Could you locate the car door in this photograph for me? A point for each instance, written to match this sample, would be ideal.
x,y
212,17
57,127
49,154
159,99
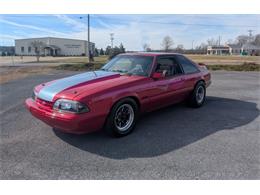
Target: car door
x,y
176,82
165,91
191,72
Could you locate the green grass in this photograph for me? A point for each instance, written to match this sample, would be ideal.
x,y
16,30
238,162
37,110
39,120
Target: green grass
x,y
88,67
236,58
242,67
80,65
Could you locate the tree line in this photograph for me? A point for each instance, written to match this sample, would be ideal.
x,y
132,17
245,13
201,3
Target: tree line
x,y
167,45
111,52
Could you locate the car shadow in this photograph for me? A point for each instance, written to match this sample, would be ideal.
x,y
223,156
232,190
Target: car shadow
x,y
168,129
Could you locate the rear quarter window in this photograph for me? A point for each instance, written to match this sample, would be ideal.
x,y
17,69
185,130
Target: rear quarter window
x,y
187,65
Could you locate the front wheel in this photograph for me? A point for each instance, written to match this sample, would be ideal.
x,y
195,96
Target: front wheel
x,y
122,118
198,96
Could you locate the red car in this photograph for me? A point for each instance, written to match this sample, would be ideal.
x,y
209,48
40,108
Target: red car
x,y
113,97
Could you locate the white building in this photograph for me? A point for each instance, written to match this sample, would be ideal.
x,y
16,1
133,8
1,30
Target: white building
x,y
52,46
218,50
234,49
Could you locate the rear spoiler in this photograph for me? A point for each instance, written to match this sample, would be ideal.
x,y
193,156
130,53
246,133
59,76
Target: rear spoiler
x,y
202,66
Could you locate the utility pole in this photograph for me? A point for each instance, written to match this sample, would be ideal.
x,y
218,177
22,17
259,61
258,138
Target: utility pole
x,y
250,35
88,42
88,39
192,44
112,39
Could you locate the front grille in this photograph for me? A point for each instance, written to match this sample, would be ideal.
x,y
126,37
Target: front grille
x,y
44,104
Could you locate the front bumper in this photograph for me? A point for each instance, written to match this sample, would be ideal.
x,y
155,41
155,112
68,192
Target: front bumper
x,y
66,122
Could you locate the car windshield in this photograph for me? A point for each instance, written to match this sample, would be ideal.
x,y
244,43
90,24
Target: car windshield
x,y
130,64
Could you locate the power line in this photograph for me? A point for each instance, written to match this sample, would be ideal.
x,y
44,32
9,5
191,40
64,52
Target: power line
x,y
123,21
172,23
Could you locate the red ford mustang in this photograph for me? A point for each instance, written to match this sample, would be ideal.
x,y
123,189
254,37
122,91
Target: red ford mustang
x,y
114,96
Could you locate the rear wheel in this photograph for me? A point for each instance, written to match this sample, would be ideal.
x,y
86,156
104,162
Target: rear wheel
x,y
122,118
197,97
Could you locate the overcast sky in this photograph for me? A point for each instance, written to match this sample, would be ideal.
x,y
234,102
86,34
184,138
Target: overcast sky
x,y
132,30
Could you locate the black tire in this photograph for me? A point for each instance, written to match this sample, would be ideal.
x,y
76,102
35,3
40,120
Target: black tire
x,y
111,123
195,101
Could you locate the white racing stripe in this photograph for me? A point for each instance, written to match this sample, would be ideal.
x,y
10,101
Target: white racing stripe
x,y
48,92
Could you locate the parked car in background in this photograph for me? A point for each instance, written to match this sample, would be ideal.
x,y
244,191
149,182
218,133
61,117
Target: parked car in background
x,y
113,97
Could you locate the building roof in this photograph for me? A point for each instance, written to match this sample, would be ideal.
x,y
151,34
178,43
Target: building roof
x,y
218,47
52,38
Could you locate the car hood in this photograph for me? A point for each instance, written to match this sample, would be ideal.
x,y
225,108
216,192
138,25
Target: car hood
x,y
84,83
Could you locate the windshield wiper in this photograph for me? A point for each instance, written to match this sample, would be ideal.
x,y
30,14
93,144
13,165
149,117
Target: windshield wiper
x,y
120,71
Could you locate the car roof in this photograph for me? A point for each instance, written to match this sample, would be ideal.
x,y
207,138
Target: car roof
x,y
150,53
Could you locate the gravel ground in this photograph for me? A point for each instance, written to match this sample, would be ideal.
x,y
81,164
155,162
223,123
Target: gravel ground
x,y
221,140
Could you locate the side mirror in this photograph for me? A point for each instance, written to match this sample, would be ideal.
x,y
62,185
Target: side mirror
x,y
157,75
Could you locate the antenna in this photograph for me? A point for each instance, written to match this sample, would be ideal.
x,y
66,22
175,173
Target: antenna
x,y
112,39
250,33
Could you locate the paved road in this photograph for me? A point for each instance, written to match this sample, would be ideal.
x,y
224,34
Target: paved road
x,y
218,141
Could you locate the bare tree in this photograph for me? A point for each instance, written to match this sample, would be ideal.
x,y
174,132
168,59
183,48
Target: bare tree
x,y
148,49
167,43
202,46
230,41
242,39
257,40
38,47
212,42
145,46
121,47
200,49
180,47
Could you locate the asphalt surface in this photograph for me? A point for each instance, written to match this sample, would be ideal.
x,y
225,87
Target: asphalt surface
x,y
221,140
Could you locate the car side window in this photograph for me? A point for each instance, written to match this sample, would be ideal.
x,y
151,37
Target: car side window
x,y
168,66
187,65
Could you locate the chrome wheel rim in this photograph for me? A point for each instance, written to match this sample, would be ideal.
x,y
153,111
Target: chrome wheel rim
x,y
200,94
124,117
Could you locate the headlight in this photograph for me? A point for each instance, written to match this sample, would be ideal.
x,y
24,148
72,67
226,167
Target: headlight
x,y
70,106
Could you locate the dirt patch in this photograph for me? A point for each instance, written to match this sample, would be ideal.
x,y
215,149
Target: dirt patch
x,y
13,73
